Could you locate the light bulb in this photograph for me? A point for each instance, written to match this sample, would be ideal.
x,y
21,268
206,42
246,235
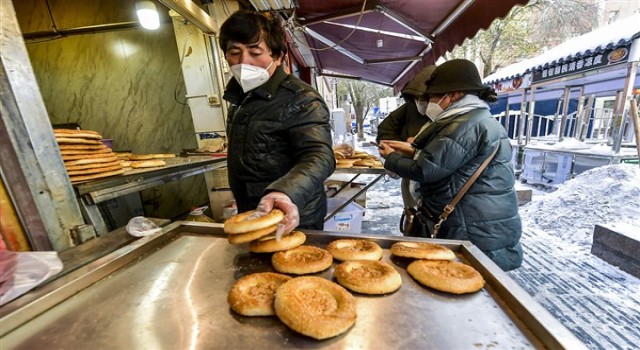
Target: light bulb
x,y
147,14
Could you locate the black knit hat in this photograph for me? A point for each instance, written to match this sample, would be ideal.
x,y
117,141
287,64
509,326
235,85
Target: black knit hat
x,y
416,87
455,75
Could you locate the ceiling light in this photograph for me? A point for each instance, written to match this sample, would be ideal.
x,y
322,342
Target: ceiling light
x,y
148,14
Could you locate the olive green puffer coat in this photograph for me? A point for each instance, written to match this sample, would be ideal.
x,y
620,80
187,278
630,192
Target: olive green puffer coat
x,y
280,140
451,150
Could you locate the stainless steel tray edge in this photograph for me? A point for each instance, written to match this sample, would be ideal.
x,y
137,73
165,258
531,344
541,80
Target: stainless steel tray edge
x,y
549,331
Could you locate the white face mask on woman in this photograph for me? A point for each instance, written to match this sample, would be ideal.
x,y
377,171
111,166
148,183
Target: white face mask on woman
x,y
250,77
434,110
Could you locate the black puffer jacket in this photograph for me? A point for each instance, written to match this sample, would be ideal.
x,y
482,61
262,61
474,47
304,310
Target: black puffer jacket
x,y
451,150
280,140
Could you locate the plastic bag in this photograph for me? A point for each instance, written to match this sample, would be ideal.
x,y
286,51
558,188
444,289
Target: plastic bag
x,y
8,262
230,209
140,226
343,150
197,214
22,271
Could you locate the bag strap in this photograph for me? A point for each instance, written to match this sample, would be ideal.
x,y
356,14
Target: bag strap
x,y
448,209
406,221
402,221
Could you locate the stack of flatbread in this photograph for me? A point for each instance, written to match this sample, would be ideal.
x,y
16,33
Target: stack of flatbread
x,y
85,157
137,161
359,159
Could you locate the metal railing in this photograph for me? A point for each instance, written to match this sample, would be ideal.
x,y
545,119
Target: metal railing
x,y
541,126
598,127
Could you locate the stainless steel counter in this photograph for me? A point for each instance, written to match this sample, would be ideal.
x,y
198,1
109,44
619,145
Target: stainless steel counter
x,y
169,291
356,172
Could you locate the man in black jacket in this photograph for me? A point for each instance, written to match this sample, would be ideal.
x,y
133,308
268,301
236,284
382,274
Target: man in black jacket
x,y
279,151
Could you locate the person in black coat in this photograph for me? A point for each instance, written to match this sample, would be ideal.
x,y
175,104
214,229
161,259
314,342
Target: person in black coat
x,y
405,122
279,136
447,153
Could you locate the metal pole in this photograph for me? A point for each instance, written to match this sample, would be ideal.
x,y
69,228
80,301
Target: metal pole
x,y
577,121
612,129
507,116
546,127
586,118
521,120
621,107
530,116
636,124
555,116
35,176
565,111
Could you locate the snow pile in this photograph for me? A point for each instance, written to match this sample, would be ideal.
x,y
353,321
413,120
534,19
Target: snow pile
x,y
605,195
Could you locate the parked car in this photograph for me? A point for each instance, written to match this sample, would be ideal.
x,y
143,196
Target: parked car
x,y
366,126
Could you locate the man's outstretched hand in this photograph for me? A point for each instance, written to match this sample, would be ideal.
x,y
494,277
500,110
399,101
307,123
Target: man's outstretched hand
x,y
281,201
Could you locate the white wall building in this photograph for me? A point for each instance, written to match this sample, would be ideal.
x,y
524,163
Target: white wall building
x,y
388,104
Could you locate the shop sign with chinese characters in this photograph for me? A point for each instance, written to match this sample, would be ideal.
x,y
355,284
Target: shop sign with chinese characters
x,y
581,64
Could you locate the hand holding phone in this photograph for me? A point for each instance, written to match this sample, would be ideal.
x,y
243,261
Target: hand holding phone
x,y
376,144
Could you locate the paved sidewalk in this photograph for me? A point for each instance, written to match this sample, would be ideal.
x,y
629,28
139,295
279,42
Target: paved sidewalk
x,y
598,303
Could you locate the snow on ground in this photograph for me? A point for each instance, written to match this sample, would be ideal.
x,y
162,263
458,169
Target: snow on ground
x,y
605,195
595,300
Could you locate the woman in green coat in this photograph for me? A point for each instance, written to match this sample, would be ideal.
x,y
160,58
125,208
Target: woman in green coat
x,y
446,154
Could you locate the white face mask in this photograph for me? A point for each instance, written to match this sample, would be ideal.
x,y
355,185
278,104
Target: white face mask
x,y
434,109
422,106
250,77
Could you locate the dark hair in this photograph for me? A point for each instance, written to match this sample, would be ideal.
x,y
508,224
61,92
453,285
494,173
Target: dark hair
x,y
247,27
489,94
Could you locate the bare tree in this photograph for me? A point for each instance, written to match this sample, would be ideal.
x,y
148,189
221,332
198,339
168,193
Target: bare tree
x,y
527,31
363,96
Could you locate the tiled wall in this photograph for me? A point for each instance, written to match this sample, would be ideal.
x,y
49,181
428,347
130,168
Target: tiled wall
x,y
125,84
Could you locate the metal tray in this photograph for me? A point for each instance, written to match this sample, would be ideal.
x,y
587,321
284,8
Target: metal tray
x,y
169,291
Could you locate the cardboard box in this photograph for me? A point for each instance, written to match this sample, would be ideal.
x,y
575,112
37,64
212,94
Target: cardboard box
x,y
349,219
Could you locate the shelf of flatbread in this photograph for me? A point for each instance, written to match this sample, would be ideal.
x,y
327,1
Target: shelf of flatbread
x,y
141,161
85,157
356,160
